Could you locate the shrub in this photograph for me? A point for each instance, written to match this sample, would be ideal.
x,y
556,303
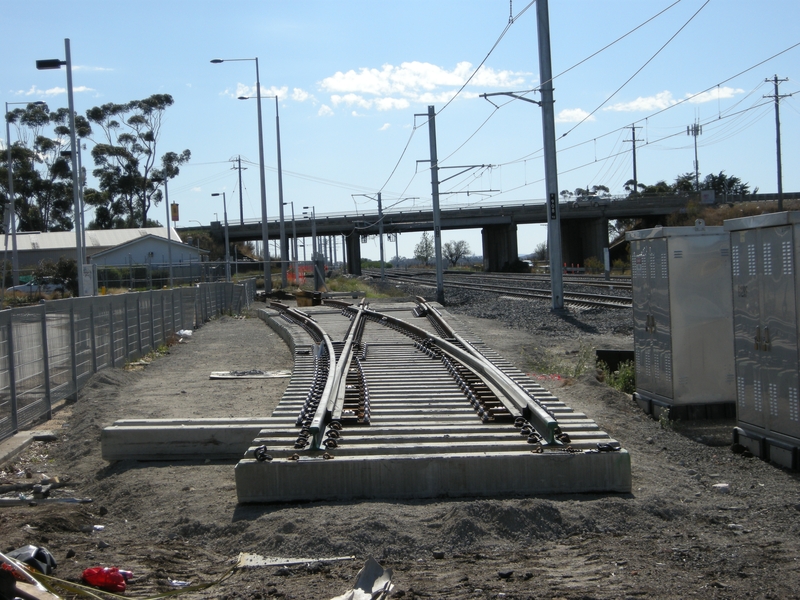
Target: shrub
x,y
623,379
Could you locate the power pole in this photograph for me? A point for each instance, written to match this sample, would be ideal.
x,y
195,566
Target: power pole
x,y
550,163
437,226
695,130
241,204
777,97
634,140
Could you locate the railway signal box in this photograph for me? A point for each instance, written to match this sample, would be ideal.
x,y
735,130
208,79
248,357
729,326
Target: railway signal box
x,y
682,333
764,254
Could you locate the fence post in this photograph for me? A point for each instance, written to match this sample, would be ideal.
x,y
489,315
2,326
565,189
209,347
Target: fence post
x,y
152,324
139,325
72,348
46,364
12,376
111,348
163,320
127,329
92,333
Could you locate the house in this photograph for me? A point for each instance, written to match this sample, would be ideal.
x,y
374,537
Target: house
x,y
108,247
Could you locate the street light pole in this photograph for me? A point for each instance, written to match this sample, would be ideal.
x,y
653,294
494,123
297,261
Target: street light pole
x,y
56,64
169,231
313,232
227,243
380,230
264,226
281,203
294,245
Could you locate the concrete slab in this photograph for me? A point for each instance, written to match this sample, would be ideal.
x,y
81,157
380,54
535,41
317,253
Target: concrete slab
x,y
179,439
443,475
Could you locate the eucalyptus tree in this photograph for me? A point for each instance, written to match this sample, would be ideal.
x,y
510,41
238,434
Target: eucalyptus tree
x,y
41,168
126,160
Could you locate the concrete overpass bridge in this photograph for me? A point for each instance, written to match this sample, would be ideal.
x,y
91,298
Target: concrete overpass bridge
x,y
584,229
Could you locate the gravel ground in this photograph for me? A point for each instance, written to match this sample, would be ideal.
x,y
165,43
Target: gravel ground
x,y
700,521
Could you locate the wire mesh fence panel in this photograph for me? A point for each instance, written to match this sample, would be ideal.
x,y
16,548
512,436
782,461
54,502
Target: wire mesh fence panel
x,y
145,322
7,410
84,342
30,376
59,349
185,317
101,319
118,329
48,351
157,318
134,347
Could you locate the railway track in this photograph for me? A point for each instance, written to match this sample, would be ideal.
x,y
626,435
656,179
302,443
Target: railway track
x,y
398,403
523,287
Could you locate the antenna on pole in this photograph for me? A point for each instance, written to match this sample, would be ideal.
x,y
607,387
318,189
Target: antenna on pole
x,y
694,130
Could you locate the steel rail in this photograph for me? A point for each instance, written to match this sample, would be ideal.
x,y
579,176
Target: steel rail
x,y
343,364
569,297
322,413
500,383
515,399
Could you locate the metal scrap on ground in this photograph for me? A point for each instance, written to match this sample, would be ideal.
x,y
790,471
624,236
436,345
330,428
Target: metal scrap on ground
x,y
250,374
247,559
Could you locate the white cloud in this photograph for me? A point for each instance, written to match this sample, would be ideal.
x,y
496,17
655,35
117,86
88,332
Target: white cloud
x,y
300,95
325,111
665,99
351,100
718,93
197,189
397,87
390,103
250,91
54,91
660,101
87,68
572,115
384,127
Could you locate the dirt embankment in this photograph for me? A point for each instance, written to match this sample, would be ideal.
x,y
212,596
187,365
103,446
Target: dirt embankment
x,y
678,534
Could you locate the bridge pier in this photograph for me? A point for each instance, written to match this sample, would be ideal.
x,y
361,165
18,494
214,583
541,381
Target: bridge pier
x,y
582,239
499,246
353,253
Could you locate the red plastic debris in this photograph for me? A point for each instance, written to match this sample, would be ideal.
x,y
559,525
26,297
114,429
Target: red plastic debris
x,y
110,579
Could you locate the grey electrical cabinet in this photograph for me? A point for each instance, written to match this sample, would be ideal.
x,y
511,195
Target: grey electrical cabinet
x,y
682,331
764,253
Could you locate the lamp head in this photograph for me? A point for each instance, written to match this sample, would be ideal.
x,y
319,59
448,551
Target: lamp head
x,y
50,63
216,61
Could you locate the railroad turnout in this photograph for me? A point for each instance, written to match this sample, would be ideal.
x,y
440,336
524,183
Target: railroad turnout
x,y
397,402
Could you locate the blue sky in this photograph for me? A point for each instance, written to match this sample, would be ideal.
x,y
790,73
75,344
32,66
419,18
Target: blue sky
x,y
351,75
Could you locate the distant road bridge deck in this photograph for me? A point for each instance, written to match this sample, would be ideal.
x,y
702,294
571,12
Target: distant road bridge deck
x,y
584,228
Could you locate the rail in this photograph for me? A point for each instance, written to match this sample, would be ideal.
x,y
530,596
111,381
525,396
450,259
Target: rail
x,y
327,407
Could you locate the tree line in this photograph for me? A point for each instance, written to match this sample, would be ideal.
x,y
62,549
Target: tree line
x,y
124,141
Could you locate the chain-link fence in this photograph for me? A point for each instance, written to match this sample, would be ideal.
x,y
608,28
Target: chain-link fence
x,y
49,350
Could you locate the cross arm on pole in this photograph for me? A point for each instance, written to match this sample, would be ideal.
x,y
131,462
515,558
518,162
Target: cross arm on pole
x,y
516,95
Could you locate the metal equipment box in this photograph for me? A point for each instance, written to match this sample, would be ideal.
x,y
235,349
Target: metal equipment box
x,y
764,254
682,331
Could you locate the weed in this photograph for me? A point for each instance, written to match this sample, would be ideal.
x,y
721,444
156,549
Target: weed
x,y
547,362
623,379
